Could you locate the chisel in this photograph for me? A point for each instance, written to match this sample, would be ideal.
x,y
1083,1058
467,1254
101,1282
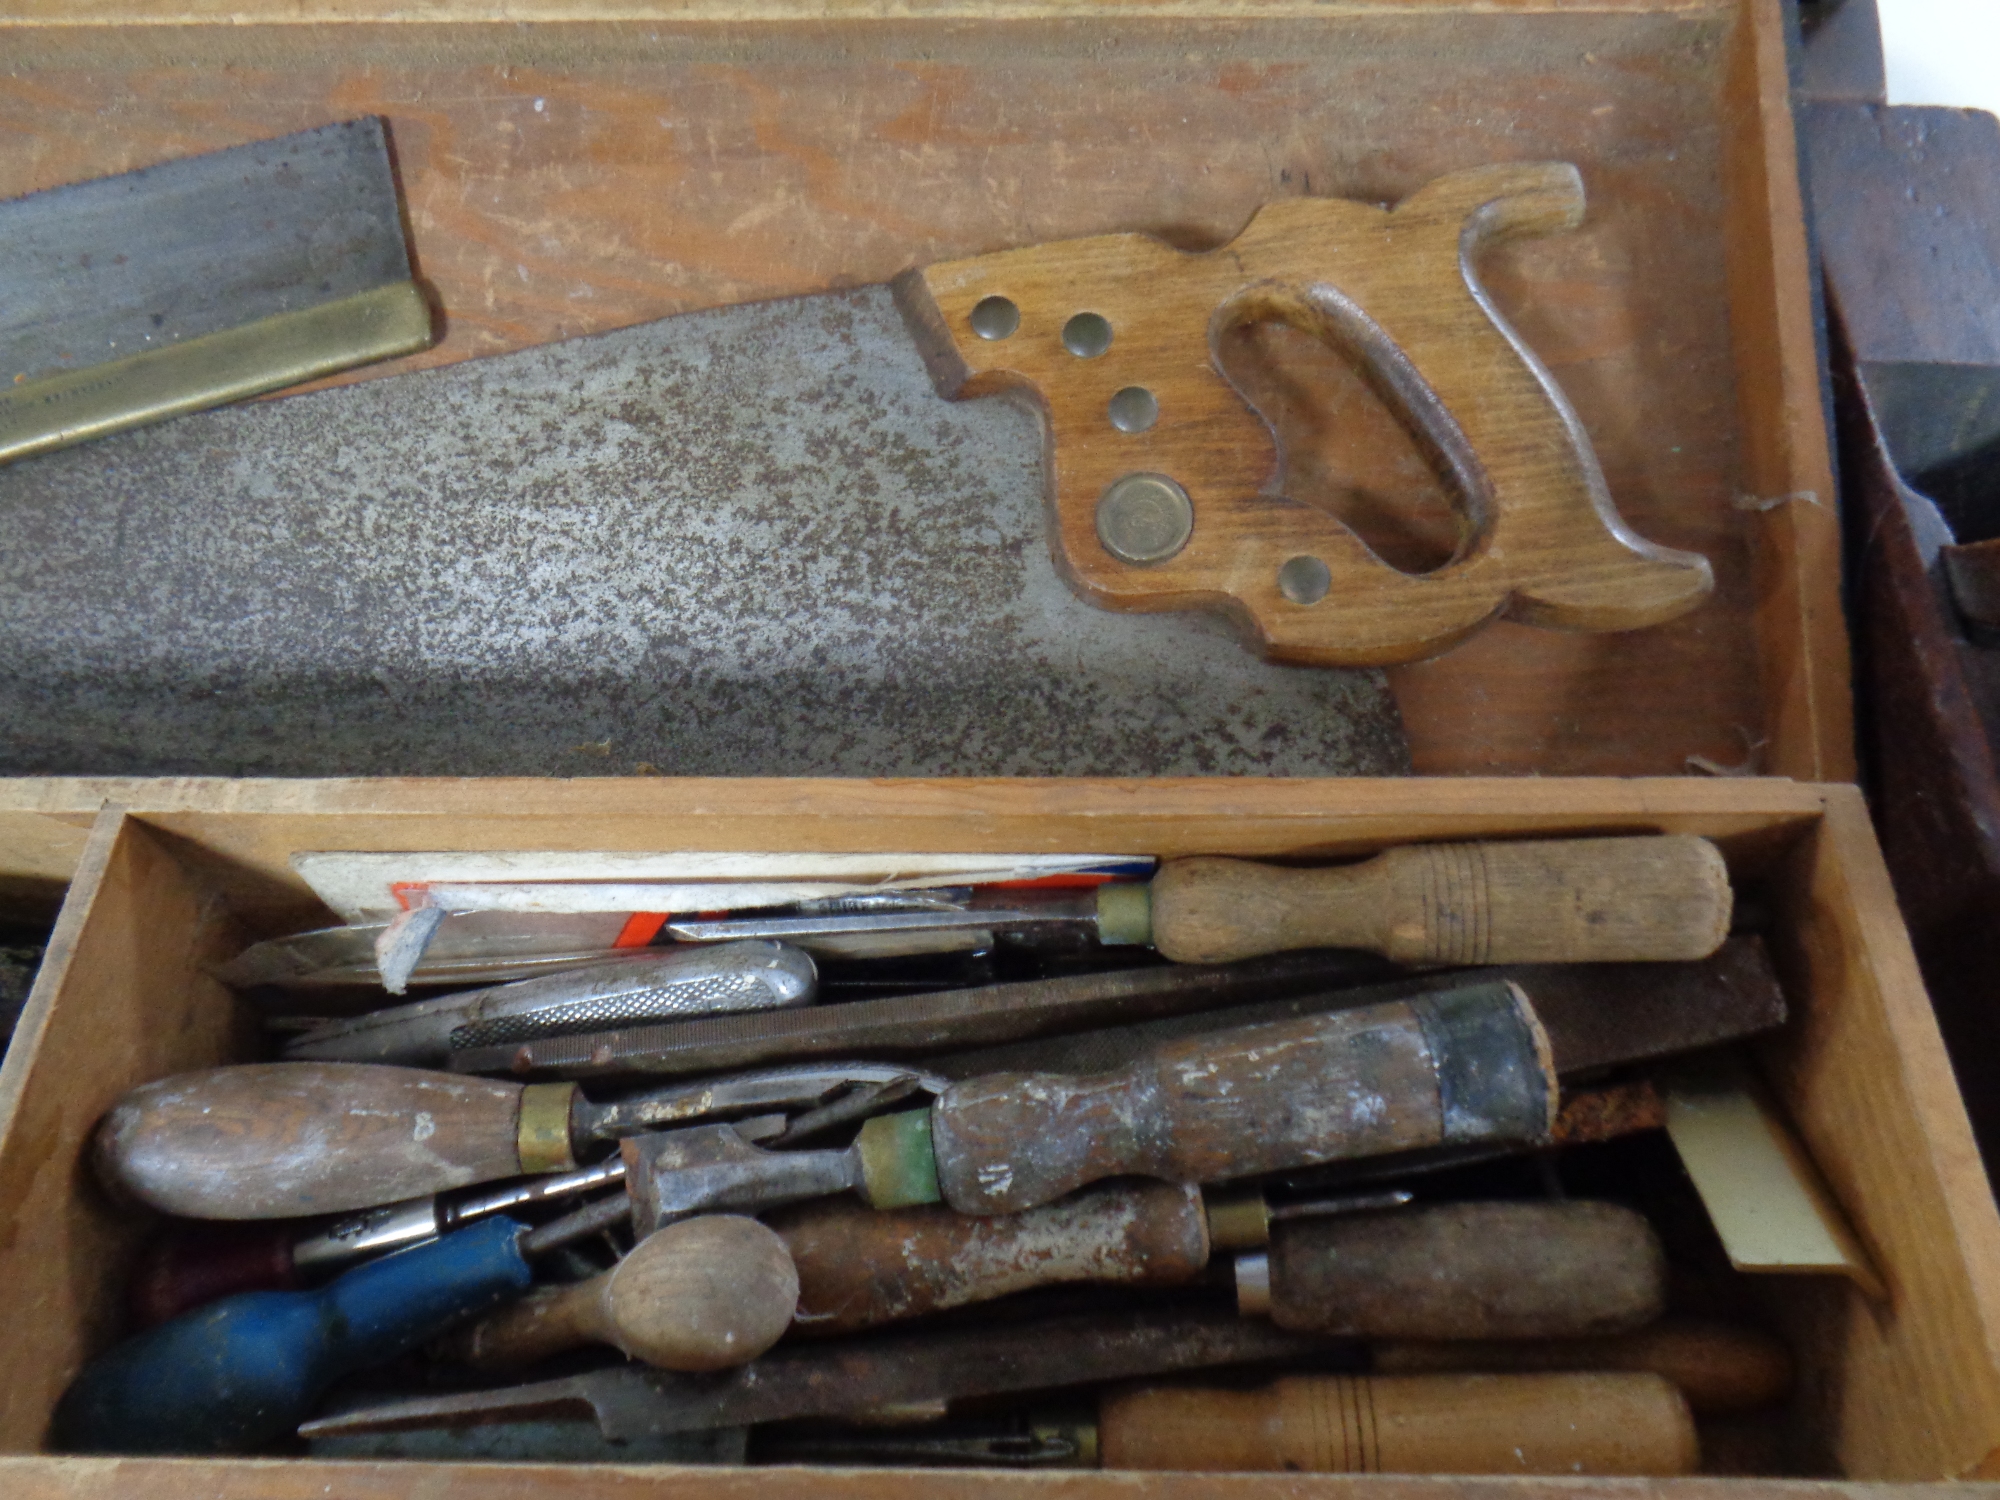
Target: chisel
x,y
646,986
247,1369
1459,1270
1457,1066
287,1140
197,1262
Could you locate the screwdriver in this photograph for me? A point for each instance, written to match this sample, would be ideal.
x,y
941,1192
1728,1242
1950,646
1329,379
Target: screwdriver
x,y
247,1369
195,1263
290,1140
1660,896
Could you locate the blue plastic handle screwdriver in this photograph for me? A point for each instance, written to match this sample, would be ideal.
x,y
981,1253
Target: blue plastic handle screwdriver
x,y
242,1372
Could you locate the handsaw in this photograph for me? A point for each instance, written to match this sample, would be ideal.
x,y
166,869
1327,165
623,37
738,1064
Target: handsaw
x,y
199,281
754,540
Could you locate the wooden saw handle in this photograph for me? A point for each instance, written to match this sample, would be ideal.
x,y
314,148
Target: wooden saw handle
x,y
860,1267
1157,459
1470,1063
1543,901
1467,1271
701,1294
1407,1424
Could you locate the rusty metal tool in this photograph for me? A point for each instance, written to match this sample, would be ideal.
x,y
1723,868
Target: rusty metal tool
x,y
1596,1015
193,1263
199,281
868,1372
910,1025
1457,1065
285,1140
647,985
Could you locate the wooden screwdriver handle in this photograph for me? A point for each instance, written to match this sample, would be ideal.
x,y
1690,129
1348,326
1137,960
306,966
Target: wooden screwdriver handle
x,y
1546,901
860,1267
287,1140
1465,1064
701,1294
1408,1424
1723,1369
1469,1271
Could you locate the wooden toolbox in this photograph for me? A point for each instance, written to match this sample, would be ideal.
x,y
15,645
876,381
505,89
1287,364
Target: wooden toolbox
x,y
577,167
1908,1388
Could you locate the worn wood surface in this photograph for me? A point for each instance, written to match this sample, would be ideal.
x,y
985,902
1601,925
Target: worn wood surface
x,y
1401,1424
1538,536
289,1140
1911,1389
859,1267
1568,901
1250,1100
296,1479
123,996
1721,1368
564,179
702,1294
1469,1270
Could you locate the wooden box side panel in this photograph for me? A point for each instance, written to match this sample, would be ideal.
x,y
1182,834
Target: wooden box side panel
x,y
1909,1389
122,997
1787,464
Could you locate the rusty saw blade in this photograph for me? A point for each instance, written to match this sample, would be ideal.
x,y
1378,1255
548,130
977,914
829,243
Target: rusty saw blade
x,y
752,541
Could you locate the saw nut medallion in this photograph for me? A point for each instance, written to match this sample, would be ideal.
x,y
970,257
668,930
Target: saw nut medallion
x,y
1155,457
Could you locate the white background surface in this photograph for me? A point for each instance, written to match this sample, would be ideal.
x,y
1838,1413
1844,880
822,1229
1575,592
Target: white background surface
x,y
1942,51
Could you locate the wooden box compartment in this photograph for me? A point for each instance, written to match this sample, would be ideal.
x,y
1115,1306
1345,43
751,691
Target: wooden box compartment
x,y
573,166
184,872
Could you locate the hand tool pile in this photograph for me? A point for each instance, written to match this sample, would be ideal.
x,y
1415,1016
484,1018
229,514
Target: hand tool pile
x,y
1003,1223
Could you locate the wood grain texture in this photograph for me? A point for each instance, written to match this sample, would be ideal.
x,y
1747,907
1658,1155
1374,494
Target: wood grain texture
x,y
1392,291
1252,1099
703,1294
1721,1368
1573,901
1786,478
128,961
1391,1424
1910,1181
689,164
1469,1270
301,1479
1912,1391
859,1268
289,1140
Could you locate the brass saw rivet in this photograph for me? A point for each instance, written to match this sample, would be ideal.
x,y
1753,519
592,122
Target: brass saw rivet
x,y
1305,580
1144,518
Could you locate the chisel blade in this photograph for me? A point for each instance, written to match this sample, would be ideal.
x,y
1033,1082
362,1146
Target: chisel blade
x,y
747,542
199,281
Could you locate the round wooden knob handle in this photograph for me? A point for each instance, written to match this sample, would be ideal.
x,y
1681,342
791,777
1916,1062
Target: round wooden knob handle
x,y
702,1294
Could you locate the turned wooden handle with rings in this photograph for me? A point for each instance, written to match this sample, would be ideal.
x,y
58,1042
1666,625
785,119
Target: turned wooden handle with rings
x,y
1156,457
